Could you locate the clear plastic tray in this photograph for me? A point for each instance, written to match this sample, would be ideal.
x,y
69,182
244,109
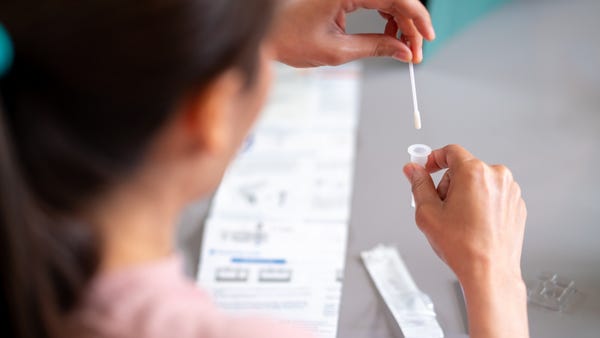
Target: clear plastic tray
x,y
552,291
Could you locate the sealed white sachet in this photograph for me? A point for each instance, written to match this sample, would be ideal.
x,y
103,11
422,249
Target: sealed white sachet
x,y
411,308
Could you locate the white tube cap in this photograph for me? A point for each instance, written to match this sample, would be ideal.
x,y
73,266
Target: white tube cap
x,y
419,153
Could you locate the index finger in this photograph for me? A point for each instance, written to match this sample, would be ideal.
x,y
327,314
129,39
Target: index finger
x,y
412,9
447,157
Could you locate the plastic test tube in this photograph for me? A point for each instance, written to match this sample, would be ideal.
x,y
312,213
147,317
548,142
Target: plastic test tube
x,y
418,154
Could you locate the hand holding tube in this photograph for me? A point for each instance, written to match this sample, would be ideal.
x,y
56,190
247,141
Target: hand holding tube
x,y
475,222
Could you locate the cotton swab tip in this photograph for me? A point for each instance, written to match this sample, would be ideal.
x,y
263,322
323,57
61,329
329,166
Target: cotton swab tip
x,y
417,117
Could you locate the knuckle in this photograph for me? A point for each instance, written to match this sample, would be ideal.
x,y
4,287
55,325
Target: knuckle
x,y
518,190
335,59
453,148
522,210
475,169
424,217
418,184
330,58
504,173
421,220
378,49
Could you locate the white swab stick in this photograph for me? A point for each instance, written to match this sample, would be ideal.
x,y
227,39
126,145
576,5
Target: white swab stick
x,y
416,113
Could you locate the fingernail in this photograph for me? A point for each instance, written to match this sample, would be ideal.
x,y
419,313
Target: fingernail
x,y
418,57
431,34
402,57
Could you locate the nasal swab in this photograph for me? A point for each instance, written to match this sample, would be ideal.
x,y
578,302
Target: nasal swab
x,y
416,113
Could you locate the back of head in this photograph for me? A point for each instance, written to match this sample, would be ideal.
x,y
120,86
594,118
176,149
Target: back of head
x,y
90,85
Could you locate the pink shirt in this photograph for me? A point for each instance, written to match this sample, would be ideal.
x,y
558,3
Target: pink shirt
x,y
157,300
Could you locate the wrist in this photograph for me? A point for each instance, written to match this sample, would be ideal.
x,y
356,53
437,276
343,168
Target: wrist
x,y
485,269
496,303
497,282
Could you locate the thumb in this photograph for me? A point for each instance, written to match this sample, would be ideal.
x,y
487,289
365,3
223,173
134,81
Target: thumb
x,y
422,185
359,46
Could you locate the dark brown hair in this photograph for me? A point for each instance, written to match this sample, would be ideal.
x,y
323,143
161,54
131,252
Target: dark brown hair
x,y
91,84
